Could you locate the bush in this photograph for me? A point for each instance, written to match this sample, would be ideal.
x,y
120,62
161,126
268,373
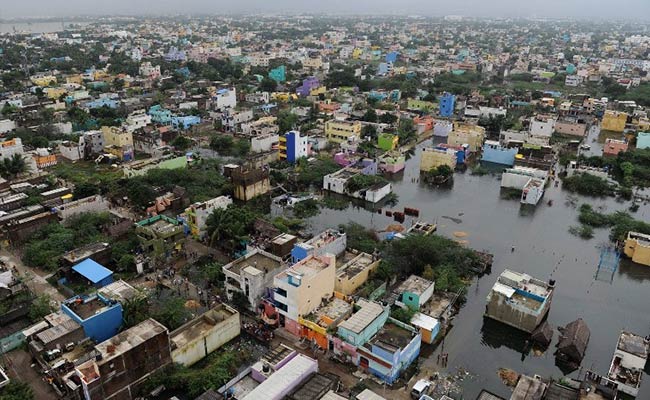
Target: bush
x,y
588,185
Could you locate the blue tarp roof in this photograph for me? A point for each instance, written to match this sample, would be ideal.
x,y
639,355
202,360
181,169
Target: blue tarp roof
x,y
92,271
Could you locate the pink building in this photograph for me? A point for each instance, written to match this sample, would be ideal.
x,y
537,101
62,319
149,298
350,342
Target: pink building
x,y
613,147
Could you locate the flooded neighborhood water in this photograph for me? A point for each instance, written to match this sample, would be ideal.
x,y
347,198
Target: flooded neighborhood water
x,y
545,249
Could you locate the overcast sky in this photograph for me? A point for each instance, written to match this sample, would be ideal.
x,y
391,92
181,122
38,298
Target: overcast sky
x,y
603,9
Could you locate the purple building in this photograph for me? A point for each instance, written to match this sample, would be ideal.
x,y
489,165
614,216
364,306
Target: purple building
x,y
308,84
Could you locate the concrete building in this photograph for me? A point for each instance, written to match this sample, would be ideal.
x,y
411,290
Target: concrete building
x,y
391,162
6,126
361,326
542,125
329,241
428,326
643,140
283,381
121,139
206,333
414,292
442,128
519,300
137,120
570,128
149,71
124,362
100,317
224,99
637,247
467,134
387,141
95,203
447,105
293,146
301,288
628,363
614,121
337,182
530,181
614,146
197,214
160,236
248,183
316,325
433,157
93,272
390,351
495,153
354,273
342,131
251,275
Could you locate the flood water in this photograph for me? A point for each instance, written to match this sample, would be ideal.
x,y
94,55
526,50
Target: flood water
x,y
544,249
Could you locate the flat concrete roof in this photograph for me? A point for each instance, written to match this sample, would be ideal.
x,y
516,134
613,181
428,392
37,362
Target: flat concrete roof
x,y
361,319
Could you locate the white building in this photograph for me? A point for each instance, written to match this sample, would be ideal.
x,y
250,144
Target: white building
x,y
337,183
251,275
530,181
149,71
542,126
231,120
628,362
137,120
225,98
7,125
71,151
264,143
197,214
572,80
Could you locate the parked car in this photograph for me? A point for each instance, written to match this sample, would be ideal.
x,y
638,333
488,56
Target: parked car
x,y
420,388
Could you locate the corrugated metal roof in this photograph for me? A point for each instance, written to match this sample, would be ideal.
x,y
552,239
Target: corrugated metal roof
x,y
285,378
92,270
57,331
361,319
369,395
503,289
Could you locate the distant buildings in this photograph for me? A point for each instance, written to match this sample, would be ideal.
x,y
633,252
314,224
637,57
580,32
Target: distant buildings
x,y
197,214
495,153
160,236
614,121
341,131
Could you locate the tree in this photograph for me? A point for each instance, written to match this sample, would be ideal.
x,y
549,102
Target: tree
x,y
41,306
406,131
370,115
171,312
136,309
13,166
16,390
268,85
369,130
230,227
181,142
286,121
387,118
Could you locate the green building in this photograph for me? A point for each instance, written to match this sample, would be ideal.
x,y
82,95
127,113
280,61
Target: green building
x,y
387,141
160,237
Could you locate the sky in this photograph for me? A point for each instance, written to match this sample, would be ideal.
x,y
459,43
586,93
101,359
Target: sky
x,y
583,9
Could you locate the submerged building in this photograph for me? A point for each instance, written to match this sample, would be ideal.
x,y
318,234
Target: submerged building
x,y
519,300
637,247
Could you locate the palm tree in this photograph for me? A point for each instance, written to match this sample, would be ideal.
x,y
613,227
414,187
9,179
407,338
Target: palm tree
x,y
13,166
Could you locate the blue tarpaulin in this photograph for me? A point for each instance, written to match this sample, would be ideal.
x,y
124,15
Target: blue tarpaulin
x,y
92,271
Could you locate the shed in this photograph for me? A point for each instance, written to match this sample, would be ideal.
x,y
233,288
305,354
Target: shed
x,y
428,326
529,389
543,334
96,273
573,342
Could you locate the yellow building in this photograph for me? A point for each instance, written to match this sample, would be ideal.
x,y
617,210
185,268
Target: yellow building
x,y
55,93
283,96
472,135
318,90
637,247
340,131
114,136
43,80
614,121
77,79
356,53
433,158
355,273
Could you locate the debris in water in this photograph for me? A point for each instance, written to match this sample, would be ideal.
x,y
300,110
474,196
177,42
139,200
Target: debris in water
x,y
456,220
460,234
508,376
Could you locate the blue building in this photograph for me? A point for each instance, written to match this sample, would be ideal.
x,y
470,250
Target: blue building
x,y
100,317
384,68
293,146
185,122
392,57
101,102
98,275
278,74
495,153
447,104
391,351
160,115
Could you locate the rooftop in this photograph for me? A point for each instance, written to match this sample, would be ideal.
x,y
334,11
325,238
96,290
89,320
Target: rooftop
x,y
335,310
287,376
130,338
92,270
160,224
414,284
53,333
368,394
524,282
86,307
324,238
84,252
528,389
368,312
283,239
315,387
353,267
201,325
392,337
257,259
118,290
275,356
641,238
307,268
633,344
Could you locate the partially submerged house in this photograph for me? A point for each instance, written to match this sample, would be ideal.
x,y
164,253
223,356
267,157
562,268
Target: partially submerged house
x,y
573,342
529,389
519,300
628,362
530,181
